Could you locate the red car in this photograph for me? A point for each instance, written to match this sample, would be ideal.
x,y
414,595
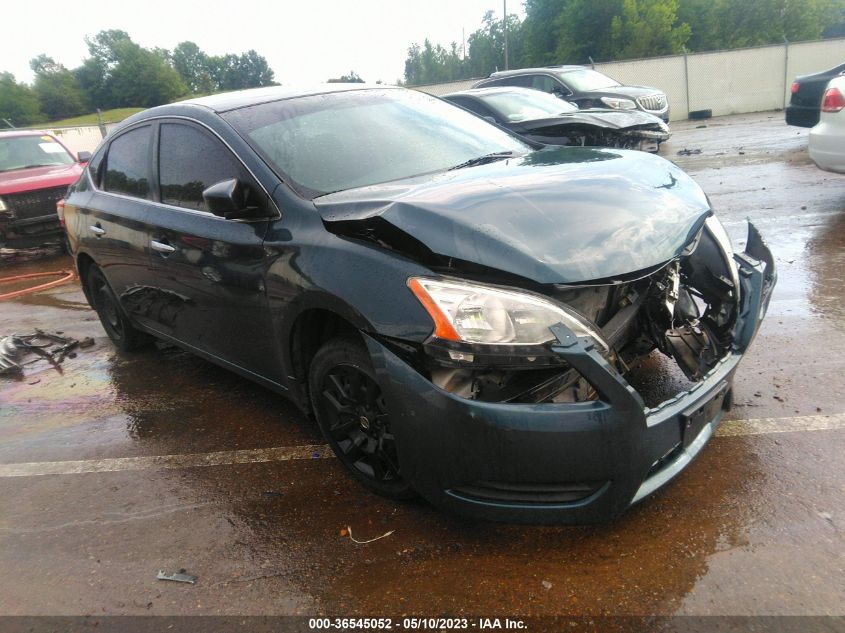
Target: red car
x,y
35,172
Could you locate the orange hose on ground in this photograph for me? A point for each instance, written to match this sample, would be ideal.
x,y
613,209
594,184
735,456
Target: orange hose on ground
x,y
68,275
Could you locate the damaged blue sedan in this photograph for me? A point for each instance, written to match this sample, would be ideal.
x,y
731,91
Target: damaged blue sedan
x,y
458,309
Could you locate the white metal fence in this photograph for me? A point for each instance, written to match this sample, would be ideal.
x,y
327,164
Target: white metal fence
x,y
726,82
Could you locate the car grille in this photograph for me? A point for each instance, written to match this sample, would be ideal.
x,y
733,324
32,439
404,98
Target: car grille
x,y
35,204
533,493
653,103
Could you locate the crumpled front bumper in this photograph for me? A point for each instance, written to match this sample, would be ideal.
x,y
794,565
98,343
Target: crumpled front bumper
x,y
563,463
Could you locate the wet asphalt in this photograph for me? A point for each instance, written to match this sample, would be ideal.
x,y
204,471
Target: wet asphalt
x,y
753,527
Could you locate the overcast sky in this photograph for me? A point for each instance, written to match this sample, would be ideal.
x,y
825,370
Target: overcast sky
x,y
305,41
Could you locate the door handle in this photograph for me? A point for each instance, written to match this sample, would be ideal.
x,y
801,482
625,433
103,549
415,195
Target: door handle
x,y
97,230
161,247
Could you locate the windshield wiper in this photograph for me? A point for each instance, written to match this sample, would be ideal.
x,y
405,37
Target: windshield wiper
x,y
480,160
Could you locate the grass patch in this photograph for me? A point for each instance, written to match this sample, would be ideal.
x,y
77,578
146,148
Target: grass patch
x,y
109,116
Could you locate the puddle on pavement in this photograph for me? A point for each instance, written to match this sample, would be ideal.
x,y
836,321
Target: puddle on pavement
x,y
722,510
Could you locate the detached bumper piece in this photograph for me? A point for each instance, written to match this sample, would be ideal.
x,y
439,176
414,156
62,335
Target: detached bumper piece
x,y
563,463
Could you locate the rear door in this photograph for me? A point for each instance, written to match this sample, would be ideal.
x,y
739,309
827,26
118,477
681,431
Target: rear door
x,y
210,270
112,223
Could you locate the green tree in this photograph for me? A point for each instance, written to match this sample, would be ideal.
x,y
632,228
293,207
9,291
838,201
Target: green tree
x,y
648,28
487,46
351,78
142,77
237,72
704,21
121,73
413,66
540,31
58,90
18,102
431,63
723,24
193,66
583,31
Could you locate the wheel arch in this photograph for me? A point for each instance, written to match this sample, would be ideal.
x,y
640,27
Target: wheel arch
x,y
84,262
309,331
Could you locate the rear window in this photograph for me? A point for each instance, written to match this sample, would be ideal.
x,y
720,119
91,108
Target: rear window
x,y
26,152
128,164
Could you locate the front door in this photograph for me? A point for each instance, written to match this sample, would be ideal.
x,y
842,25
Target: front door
x,y
210,271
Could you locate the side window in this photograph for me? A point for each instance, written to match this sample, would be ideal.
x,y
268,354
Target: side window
x,y
544,83
94,166
191,160
480,109
521,81
464,102
127,164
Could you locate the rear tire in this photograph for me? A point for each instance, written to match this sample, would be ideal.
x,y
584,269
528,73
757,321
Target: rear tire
x,y
353,417
121,332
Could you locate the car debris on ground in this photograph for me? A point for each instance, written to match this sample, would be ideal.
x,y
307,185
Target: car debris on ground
x,y
19,255
354,540
54,348
688,152
179,576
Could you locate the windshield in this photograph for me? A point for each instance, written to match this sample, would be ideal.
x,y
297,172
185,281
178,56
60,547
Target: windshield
x,y
21,152
587,79
526,105
331,142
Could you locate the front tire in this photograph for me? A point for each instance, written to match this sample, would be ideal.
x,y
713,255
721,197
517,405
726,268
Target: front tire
x,y
121,332
352,414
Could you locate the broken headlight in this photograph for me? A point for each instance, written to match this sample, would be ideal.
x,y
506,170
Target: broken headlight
x,y
486,315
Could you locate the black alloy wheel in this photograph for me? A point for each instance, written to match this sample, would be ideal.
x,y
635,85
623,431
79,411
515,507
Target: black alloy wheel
x,y
353,416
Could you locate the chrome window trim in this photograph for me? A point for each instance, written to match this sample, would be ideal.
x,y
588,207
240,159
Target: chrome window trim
x,y
184,209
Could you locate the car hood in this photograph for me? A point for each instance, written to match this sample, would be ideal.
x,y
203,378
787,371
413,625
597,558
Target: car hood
x,y
22,180
557,215
612,119
631,92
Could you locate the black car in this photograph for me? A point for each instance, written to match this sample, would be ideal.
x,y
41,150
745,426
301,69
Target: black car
x,y
457,308
804,109
546,119
585,87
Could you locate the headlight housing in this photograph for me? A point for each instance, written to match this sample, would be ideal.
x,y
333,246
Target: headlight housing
x,y
485,315
619,104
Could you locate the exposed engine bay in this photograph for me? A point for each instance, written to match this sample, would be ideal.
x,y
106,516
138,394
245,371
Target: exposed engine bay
x,y
642,137
685,308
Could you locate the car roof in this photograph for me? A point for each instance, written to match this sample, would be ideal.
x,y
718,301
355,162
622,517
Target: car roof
x,y
19,132
226,101
493,90
544,69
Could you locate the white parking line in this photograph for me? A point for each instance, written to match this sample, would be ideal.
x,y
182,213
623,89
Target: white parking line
x,y
762,426
728,428
191,460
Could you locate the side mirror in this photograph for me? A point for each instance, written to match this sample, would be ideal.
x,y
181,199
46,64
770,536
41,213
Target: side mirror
x,y
228,199
84,157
